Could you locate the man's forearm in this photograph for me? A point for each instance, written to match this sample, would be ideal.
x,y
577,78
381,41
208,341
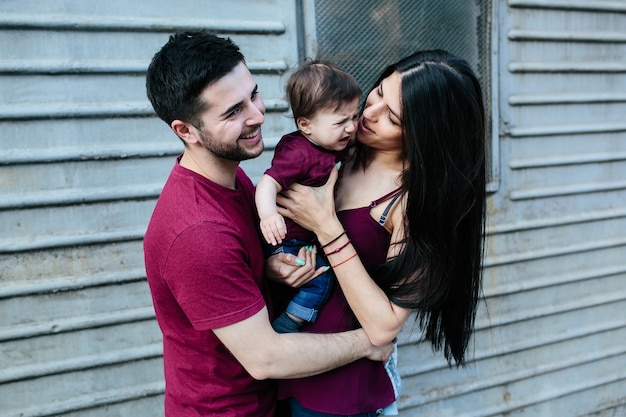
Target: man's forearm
x,y
267,354
305,354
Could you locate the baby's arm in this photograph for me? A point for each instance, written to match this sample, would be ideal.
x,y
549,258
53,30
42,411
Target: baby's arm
x,y
272,224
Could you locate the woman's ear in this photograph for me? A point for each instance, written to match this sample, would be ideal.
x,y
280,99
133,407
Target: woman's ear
x,y
304,125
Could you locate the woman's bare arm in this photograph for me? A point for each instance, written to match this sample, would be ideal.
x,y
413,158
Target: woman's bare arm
x,y
314,209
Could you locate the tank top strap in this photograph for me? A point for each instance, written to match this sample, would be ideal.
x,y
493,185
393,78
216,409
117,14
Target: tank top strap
x,y
385,197
383,217
395,194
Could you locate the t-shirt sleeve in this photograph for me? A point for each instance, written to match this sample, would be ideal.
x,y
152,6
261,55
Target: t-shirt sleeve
x,y
208,273
289,164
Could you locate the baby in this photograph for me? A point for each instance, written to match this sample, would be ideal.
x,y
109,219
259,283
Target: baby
x,y
324,102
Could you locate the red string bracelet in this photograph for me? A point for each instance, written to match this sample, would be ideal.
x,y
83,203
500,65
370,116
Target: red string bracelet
x,y
338,249
334,240
344,261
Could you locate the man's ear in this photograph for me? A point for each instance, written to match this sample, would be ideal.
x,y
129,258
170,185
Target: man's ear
x,y
304,125
185,131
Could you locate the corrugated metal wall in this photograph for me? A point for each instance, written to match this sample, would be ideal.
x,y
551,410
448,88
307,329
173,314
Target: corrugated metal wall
x,y
82,160
552,340
557,276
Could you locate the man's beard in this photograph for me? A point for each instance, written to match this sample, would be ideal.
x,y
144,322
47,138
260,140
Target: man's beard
x,y
231,152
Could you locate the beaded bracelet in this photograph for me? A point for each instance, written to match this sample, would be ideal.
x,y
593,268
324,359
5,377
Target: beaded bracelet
x,y
344,261
334,240
338,249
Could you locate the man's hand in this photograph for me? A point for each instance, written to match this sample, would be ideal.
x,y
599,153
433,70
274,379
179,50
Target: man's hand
x,y
381,353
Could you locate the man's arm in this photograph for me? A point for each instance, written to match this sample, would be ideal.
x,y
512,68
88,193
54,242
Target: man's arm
x,y
267,354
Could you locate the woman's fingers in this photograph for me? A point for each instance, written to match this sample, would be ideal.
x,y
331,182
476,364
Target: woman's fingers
x,y
293,270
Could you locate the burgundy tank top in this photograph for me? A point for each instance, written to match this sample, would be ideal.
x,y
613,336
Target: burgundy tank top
x,y
364,385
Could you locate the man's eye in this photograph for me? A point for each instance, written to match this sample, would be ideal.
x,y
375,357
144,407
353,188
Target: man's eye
x,y
235,112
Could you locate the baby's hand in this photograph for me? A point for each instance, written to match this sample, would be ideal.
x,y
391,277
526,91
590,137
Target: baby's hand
x,y
273,229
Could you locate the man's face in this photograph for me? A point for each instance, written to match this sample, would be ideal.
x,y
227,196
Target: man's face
x,y
231,122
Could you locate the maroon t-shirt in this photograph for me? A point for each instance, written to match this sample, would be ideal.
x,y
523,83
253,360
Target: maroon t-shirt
x,y
297,160
364,385
204,264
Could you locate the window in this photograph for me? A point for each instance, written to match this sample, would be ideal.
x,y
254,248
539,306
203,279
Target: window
x,y
364,36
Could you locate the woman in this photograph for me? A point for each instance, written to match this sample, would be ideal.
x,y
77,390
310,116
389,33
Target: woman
x,y
411,204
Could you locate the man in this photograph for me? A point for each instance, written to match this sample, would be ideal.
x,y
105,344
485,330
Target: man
x,y
203,256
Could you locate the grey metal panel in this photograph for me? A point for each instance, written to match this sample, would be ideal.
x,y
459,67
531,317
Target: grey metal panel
x,y
565,83
47,353
137,406
65,267
83,159
519,363
88,388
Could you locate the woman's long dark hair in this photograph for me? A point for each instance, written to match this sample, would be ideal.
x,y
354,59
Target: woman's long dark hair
x,y
438,272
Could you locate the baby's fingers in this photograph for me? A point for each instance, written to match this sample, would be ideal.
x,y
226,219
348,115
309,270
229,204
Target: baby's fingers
x,y
268,235
279,230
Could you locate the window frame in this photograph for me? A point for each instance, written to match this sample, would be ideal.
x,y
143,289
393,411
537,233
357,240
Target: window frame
x,y
308,48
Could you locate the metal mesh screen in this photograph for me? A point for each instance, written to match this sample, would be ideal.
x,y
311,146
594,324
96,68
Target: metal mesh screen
x,y
364,36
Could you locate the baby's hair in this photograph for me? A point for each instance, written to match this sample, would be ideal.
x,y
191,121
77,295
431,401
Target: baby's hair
x,y
320,85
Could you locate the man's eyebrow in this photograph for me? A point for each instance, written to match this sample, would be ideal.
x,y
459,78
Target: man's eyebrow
x,y
231,109
239,104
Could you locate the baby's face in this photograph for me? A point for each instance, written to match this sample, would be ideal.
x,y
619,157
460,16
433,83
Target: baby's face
x,y
333,130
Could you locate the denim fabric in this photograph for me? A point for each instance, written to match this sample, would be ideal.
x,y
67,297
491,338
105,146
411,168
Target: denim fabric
x,y
298,411
285,324
310,297
391,366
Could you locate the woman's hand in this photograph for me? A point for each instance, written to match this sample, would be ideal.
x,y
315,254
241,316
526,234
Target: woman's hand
x,y
292,270
310,207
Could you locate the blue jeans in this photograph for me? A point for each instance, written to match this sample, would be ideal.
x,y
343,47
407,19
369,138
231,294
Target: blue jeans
x,y
310,297
298,411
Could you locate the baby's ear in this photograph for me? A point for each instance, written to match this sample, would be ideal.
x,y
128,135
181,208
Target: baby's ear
x,y
304,125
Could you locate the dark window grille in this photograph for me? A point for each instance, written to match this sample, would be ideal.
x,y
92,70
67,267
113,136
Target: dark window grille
x,y
363,36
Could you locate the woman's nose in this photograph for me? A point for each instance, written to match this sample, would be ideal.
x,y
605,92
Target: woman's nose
x,y
370,111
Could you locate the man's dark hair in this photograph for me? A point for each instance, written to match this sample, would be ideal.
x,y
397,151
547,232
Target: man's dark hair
x,y
183,68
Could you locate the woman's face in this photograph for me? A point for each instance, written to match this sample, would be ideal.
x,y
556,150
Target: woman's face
x,y
380,126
